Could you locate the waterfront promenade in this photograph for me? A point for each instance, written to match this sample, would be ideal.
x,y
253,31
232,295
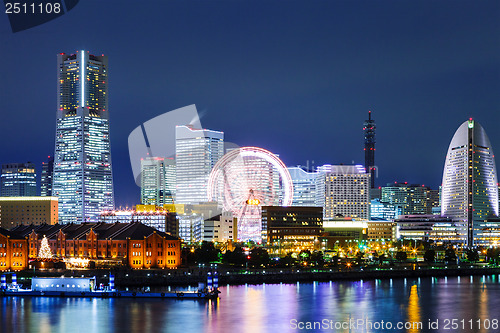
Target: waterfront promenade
x,y
237,276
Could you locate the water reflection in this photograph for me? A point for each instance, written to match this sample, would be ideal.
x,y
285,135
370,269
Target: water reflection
x,y
414,310
269,308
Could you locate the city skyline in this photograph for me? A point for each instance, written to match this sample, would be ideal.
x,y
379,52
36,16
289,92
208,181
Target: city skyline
x,y
249,165
294,84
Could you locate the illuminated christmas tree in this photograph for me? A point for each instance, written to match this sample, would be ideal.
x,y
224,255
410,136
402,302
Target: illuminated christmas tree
x,y
45,252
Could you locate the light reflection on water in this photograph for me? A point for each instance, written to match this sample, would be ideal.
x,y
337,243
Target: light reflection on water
x,y
265,308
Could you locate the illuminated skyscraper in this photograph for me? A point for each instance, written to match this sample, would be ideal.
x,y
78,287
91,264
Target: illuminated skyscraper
x,y
83,179
157,181
46,179
304,186
470,192
369,130
18,180
196,151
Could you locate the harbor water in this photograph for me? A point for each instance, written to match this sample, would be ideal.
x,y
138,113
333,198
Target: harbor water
x,y
445,304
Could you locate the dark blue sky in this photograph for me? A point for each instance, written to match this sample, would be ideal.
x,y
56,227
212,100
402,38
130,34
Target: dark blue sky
x,y
294,77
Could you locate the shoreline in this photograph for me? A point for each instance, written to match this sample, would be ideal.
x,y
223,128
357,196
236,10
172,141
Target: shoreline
x,y
191,277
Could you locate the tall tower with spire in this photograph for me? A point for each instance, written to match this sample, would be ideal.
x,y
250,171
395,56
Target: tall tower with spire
x,y
369,130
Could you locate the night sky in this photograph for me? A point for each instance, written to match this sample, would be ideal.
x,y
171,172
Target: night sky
x,y
294,77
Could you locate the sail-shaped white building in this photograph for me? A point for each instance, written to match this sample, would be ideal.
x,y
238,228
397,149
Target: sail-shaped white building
x,y
470,189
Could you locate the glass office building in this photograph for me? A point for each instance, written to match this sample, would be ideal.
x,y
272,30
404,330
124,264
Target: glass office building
x,y
157,181
82,175
304,186
197,151
412,198
384,211
18,180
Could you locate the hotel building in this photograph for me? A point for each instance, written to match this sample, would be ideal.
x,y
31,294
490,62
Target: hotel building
x,y
344,190
470,185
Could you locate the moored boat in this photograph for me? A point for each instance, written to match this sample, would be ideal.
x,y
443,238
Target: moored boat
x,y
87,287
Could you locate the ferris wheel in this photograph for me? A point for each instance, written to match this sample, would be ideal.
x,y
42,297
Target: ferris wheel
x,y
244,180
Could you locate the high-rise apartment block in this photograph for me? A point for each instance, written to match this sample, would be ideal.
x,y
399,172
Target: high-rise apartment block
x,y
82,177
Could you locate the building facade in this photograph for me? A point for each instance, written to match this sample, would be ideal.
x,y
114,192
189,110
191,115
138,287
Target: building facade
x,y
16,211
46,177
304,186
385,211
188,226
221,228
489,234
130,244
157,181
412,198
159,219
82,176
343,232
428,228
13,251
344,190
18,180
470,185
197,151
292,228
381,231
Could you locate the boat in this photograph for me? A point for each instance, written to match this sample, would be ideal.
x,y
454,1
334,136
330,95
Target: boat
x,y
87,287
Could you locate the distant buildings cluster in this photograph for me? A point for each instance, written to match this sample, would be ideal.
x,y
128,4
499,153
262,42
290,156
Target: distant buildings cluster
x,y
331,204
